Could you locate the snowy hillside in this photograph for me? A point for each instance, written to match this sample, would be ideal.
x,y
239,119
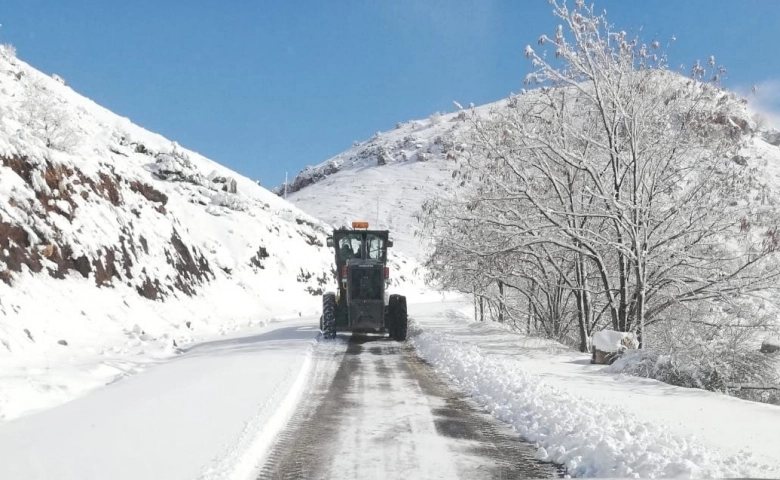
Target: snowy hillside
x,y
387,178
117,240
384,180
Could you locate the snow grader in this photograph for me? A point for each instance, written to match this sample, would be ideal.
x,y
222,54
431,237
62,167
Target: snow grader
x,y
361,304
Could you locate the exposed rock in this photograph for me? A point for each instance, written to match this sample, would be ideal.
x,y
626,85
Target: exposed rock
x,y
771,137
149,289
191,266
770,346
15,249
311,239
257,258
148,192
609,345
600,357
108,188
55,187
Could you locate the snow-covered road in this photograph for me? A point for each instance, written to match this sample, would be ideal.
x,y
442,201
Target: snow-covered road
x,y
378,411
211,412
279,404
368,405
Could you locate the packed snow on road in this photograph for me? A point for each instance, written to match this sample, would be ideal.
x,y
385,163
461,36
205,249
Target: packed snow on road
x,y
217,408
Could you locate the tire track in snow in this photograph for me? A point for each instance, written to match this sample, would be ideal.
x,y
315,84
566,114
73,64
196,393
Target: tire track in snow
x,y
379,411
301,445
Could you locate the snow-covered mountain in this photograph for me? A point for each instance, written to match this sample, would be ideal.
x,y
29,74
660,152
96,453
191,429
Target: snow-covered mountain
x,y
115,237
99,217
385,179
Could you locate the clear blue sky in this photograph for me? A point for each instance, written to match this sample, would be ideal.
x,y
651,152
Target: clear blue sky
x,y
271,86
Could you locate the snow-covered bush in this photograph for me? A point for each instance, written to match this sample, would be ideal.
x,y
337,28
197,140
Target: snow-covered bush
x,y
711,367
48,118
772,137
714,350
233,202
8,51
224,183
383,156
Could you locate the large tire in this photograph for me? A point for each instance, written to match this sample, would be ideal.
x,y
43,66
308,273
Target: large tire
x,y
399,321
328,321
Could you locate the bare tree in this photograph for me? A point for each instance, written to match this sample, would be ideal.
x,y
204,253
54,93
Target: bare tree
x,y
615,181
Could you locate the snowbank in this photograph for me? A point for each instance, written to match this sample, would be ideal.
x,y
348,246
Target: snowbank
x,y
591,438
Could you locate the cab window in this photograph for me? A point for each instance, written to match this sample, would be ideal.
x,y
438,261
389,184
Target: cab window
x,y
349,246
375,246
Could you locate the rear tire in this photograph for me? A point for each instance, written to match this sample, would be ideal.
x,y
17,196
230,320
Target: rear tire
x,y
399,321
328,321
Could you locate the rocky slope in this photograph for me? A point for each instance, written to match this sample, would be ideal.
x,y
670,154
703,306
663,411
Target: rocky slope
x,y
108,231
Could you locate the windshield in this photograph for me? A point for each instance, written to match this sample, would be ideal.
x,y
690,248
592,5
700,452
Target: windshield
x,y
350,246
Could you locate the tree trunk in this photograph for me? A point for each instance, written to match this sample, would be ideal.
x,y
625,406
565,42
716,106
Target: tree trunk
x,y
640,303
623,325
581,295
500,301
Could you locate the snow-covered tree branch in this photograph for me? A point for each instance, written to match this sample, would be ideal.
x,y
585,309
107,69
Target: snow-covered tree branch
x,y
608,193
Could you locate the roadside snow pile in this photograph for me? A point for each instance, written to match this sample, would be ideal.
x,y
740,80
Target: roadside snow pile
x,y
590,439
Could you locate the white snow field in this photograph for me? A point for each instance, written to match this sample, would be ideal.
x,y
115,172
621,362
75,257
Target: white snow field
x,y
596,423
210,412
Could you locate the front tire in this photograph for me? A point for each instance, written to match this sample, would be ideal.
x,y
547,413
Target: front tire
x,y
328,322
399,321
